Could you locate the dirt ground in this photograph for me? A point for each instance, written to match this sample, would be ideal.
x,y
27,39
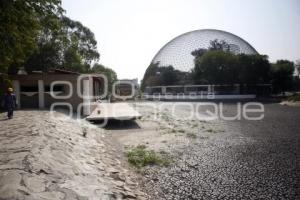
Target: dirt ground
x,y
49,158
44,156
214,158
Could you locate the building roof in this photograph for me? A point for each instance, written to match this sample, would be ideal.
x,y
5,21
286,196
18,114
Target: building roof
x,y
62,71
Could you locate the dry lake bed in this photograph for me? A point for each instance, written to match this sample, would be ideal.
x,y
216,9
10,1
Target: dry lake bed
x,y
198,157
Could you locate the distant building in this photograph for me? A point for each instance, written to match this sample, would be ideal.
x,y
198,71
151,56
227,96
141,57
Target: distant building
x,y
126,87
193,92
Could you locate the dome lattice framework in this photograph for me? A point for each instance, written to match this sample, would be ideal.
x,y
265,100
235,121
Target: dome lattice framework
x,y
177,52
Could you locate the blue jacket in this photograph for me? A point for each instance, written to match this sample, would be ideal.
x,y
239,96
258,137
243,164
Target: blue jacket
x,y
9,100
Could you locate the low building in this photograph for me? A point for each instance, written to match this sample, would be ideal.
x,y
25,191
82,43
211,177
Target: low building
x,y
194,92
57,88
126,88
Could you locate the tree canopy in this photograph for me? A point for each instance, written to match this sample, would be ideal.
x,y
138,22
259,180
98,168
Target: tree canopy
x,y
72,47
110,74
37,36
21,22
216,67
282,75
219,65
161,75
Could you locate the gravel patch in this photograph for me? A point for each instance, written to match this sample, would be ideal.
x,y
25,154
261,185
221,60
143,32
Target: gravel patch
x,y
239,159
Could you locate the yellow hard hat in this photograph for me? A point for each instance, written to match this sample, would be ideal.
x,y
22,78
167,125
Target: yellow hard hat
x,y
10,89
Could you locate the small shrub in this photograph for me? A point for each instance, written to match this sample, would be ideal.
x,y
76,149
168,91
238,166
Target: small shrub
x,y
140,157
295,97
191,135
181,131
210,130
84,131
194,125
203,137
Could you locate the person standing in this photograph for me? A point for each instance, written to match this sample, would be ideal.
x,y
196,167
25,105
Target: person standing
x,y
10,102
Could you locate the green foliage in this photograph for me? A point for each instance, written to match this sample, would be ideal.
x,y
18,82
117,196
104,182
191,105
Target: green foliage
x,y
72,60
150,77
222,45
294,97
254,69
20,24
215,45
110,74
4,84
298,66
140,157
81,38
198,52
161,75
211,130
36,35
168,75
45,57
216,67
68,45
282,75
191,135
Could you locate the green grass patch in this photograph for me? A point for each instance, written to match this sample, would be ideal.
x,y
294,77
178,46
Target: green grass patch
x,y
194,125
173,130
191,135
211,130
140,157
294,97
181,130
203,137
84,131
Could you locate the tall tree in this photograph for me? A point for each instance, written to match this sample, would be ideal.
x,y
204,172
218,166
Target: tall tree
x,y
198,52
81,38
282,75
110,74
254,69
161,75
219,45
297,65
216,67
20,23
69,45
151,71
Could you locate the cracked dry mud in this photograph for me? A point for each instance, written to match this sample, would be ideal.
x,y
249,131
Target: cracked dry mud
x,y
248,160
48,158
220,159
44,157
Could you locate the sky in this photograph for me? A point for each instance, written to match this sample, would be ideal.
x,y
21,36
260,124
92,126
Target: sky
x,y
130,32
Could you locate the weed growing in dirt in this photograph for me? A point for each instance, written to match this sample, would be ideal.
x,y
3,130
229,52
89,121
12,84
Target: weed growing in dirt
x,y
191,135
84,131
181,130
140,157
211,130
293,98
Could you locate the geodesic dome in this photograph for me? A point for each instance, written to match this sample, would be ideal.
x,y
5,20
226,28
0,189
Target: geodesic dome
x,y
177,52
